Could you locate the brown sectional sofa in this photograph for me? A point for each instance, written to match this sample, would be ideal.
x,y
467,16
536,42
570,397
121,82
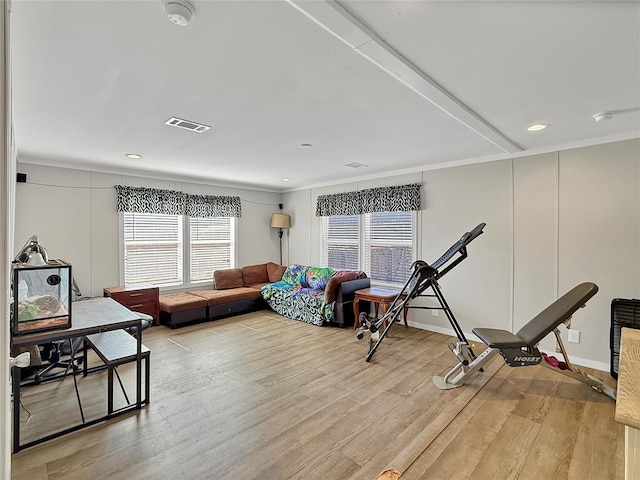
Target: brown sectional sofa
x,y
235,290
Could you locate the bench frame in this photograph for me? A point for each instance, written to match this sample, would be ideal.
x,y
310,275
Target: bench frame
x,y
520,349
114,348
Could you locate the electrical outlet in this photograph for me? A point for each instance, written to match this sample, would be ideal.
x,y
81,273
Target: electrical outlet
x,y
434,312
574,336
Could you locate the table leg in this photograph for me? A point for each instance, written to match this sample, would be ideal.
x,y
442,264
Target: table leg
x,y
356,313
385,307
16,379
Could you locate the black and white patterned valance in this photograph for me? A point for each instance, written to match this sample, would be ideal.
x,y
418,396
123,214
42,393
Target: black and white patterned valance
x,y
401,198
171,202
347,203
150,200
213,206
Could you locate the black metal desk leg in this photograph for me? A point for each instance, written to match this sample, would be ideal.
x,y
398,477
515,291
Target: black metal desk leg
x,y
139,368
16,379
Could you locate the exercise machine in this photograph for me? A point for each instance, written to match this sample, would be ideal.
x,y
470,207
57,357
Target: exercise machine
x,y
423,277
520,349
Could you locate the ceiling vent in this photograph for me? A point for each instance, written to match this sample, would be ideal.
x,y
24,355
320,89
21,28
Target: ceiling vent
x,y
356,165
187,125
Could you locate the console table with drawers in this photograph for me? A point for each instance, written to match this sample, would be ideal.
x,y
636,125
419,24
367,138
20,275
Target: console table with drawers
x,y
139,298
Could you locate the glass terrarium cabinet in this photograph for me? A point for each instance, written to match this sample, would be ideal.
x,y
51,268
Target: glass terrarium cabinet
x,y
41,297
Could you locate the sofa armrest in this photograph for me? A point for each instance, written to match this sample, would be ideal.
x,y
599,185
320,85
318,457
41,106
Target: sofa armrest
x,y
343,315
331,288
346,290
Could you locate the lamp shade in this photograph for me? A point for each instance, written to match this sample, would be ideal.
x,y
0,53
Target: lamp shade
x,y
280,220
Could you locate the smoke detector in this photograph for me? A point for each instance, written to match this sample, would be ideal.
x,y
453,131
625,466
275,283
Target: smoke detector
x,y
598,117
180,12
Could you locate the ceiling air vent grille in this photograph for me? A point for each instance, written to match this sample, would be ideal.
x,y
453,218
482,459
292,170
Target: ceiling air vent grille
x,y
187,125
356,165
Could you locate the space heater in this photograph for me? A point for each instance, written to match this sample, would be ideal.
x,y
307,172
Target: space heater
x,y
624,313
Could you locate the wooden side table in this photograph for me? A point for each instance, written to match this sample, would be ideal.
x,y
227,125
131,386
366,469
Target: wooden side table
x,y
139,298
380,296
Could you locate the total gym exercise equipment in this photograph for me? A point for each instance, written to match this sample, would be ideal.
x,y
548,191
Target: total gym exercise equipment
x,y
423,277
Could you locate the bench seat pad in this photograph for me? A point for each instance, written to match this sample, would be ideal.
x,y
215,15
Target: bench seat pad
x,y
497,338
178,302
219,297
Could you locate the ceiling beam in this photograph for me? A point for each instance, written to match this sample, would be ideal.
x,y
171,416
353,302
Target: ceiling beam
x,y
343,25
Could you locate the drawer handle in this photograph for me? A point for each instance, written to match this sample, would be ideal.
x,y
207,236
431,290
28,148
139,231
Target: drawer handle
x,y
136,294
135,306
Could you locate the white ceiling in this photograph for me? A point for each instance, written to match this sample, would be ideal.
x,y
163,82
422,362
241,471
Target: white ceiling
x,y
93,80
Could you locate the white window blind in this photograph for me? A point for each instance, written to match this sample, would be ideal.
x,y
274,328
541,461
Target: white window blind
x,y
212,246
340,242
388,246
152,248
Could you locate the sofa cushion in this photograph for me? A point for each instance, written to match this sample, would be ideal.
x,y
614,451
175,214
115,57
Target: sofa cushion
x,y
178,302
229,278
253,274
275,272
218,297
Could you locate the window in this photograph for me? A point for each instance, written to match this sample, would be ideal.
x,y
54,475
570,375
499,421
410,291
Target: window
x,y
388,246
381,244
212,246
159,248
340,246
152,249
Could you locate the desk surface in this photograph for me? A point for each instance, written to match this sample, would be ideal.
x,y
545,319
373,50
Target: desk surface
x,y
628,395
87,316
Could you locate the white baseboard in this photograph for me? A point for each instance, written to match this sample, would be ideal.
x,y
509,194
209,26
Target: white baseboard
x,y
583,362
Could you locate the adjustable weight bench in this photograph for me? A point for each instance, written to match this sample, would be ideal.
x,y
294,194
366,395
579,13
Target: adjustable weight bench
x,y
520,349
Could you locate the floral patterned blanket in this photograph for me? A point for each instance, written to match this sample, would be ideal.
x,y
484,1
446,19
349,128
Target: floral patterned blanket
x,y
300,294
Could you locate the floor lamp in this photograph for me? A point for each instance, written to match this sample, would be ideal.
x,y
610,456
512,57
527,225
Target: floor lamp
x,y
280,221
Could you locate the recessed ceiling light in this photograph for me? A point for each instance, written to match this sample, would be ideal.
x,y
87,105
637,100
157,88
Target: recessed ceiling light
x,y
135,156
537,126
285,179
305,145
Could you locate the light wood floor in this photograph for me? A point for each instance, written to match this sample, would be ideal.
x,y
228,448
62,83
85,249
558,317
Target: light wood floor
x,y
259,396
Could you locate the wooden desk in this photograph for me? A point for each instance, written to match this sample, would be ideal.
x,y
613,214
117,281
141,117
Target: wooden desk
x,y
379,296
89,316
628,400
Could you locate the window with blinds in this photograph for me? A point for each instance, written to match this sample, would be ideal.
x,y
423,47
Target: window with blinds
x,y
152,249
340,242
386,240
388,246
212,246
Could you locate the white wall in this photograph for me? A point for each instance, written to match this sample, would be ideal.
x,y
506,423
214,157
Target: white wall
x,y
74,214
553,221
7,175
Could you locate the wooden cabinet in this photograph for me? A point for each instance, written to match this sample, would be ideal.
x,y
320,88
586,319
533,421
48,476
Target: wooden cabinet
x,y
139,298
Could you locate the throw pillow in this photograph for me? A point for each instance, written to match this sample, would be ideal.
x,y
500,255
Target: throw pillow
x,y
317,277
295,275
